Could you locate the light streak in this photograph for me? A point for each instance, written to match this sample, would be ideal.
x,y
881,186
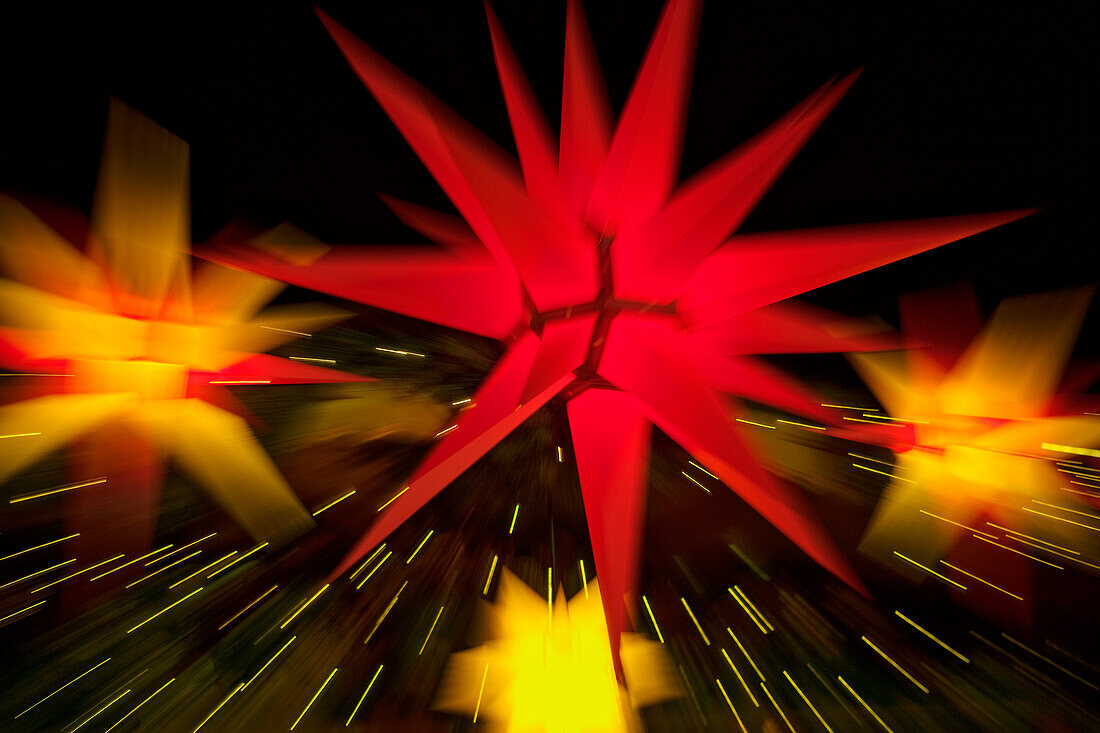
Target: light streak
x,y
263,595
13,615
930,570
1060,519
161,570
20,435
801,425
430,630
418,547
219,707
895,665
59,689
367,561
39,547
549,597
763,629
364,696
981,580
807,701
333,503
236,560
202,569
164,610
115,699
78,572
704,488
443,432
128,564
481,692
1065,509
737,672
313,359
864,704
704,470
884,473
127,715
268,662
386,612
963,526
898,419
1070,449
732,709
512,526
304,606
746,653
559,454
695,620
488,580
584,578
287,330
929,634
1024,554
39,572
315,696
776,704
51,492
395,497
873,460
753,607
180,549
462,402
240,381
373,570
1034,539
849,407
875,422
757,424
653,619
397,351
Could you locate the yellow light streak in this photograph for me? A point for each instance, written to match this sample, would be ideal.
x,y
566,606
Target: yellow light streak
x,y
695,620
234,617
849,407
59,689
180,549
373,570
161,570
78,572
364,696
236,560
746,653
981,580
333,503
422,543
895,665
287,330
13,615
653,619
930,570
443,432
864,704
51,492
757,424
129,563
313,359
481,692
1070,449
732,709
20,435
807,701
315,696
43,570
763,629
898,419
929,634
559,454
127,715
753,607
549,598
385,612
202,569
430,630
367,561
704,488
1054,552
802,425
461,402
704,470
884,473
776,704
39,547
1034,539
219,707
874,422
395,497
164,610
957,524
304,606
397,351
744,684
489,579
584,578
268,662
512,526
1024,554
1065,509
1060,519
873,460
116,698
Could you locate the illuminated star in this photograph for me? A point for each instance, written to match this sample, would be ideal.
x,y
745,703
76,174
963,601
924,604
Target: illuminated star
x,y
974,409
611,282
142,351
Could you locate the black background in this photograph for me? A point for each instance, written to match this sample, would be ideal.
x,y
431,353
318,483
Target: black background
x,y
962,108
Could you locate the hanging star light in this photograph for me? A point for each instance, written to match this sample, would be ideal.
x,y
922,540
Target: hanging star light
x,y
611,283
547,668
137,355
975,422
